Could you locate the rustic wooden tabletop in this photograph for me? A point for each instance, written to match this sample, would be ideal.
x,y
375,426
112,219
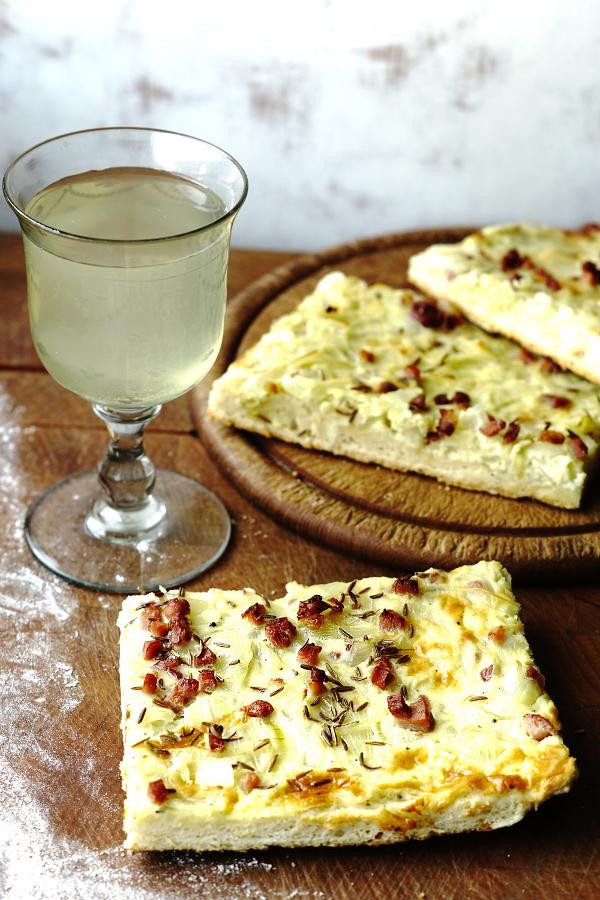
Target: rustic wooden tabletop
x,y
60,801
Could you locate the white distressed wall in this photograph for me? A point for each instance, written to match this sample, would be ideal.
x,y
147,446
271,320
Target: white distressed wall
x,y
351,118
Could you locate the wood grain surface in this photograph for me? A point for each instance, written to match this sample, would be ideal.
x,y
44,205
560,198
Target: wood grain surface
x,y
394,518
60,815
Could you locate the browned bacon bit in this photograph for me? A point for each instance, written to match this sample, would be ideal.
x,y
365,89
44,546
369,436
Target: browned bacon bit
x,y
552,437
537,727
432,436
537,676
382,675
418,403
367,356
157,791
548,279
511,433
526,356
215,742
281,632
548,365
258,709
417,715
428,314
180,631
578,446
498,634
183,691
486,673
311,607
391,621
441,399
413,371
176,608
249,781
205,658
447,423
556,401
169,664
386,387
150,682
208,681
406,585
493,426
152,649
591,273
460,398
150,613
158,629
512,259
316,685
256,613
309,654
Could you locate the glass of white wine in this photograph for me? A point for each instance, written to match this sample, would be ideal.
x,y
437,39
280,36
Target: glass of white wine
x,y
126,234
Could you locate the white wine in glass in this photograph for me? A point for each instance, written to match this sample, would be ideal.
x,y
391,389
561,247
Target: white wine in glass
x,y
126,234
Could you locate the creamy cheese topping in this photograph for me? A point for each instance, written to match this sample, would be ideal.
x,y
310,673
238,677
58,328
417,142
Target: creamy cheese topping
x,y
460,646
360,355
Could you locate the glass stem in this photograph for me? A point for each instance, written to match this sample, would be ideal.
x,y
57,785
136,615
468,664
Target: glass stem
x,y
127,477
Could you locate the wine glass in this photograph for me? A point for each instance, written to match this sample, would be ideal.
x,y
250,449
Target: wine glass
x,y
126,235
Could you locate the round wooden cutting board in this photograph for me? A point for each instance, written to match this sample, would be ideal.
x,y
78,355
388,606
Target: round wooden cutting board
x,y
400,520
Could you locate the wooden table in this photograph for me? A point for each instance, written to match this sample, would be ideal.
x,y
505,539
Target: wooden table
x,y
60,798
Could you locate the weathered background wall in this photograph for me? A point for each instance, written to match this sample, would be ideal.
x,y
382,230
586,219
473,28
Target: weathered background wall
x,y
351,118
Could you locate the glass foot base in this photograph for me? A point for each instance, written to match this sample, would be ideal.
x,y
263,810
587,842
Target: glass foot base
x,y
191,535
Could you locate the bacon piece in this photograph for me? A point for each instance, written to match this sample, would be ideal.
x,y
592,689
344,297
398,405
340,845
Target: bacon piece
x,y
309,654
417,715
180,631
447,423
183,692
158,629
386,387
538,727
512,259
548,365
281,632
215,742
169,664
249,781
205,658
367,356
150,682
511,433
406,584
383,675
440,399
526,356
258,709
152,649
391,621
498,635
428,314
413,371
486,673
418,403
150,613
311,607
460,398
316,685
493,426
176,608
256,613
578,446
536,676
208,681
552,437
556,401
591,273
157,791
